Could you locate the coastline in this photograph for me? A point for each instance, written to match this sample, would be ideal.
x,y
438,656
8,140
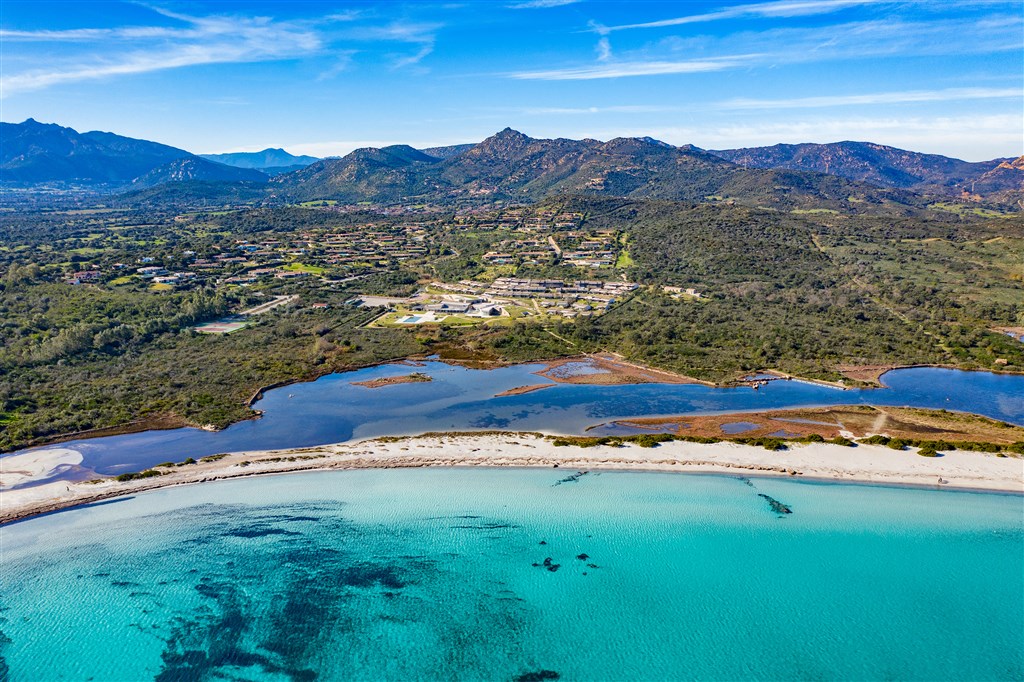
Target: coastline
x,y
642,374
868,464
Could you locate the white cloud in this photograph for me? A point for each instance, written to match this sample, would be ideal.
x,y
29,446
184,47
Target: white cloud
x,y
542,4
779,8
911,96
634,68
888,37
615,109
847,41
218,39
203,40
416,33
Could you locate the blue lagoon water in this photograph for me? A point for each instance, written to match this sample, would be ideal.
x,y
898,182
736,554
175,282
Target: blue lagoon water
x,y
332,409
498,574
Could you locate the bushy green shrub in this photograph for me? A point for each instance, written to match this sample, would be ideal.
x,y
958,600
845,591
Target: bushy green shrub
x,y
876,439
148,473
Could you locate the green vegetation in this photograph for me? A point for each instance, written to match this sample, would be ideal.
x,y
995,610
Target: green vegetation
x,y
148,473
939,445
927,448
804,291
963,209
302,267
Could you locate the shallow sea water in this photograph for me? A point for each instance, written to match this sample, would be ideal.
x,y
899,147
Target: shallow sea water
x,y
430,574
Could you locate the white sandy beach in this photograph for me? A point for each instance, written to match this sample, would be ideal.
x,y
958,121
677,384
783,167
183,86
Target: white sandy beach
x,y
864,463
35,465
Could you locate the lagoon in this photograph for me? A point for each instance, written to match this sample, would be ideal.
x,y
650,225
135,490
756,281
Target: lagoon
x,y
332,409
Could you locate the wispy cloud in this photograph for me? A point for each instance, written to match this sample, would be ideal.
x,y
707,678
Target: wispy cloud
x,y
342,60
614,109
421,34
776,9
946,95
634,68
202,40
542,4
859,100
856,40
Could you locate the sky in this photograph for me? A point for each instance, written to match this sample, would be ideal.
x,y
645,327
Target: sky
x,y
325,77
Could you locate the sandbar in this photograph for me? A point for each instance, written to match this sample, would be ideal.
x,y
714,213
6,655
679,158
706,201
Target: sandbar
x,y
35,465
864,463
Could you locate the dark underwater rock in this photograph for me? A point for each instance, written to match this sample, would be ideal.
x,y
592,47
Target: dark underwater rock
x,y
574,478
777,507
538,676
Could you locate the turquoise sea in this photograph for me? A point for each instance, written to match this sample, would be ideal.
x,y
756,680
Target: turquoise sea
x,y
489,574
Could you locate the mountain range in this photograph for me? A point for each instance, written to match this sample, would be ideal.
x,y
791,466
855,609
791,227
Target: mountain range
x,y
35,153
880,165
511,165
271,161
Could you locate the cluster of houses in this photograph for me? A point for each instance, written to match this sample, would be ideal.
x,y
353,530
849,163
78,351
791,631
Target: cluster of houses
x,y
679,292
554,296
367,245
160,275
521,251
521,219
596,249
556,289
459,305
370,245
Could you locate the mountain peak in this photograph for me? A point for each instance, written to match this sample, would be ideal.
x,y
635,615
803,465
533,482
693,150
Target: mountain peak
x,y
656,142
271,157
502,144
511,133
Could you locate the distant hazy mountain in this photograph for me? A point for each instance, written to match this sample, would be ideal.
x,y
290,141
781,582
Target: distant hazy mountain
x,y
276,159
879,165
513,165
447,152
197,169
33,152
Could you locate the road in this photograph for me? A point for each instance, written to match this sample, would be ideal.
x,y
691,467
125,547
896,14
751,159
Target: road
x,y
264,307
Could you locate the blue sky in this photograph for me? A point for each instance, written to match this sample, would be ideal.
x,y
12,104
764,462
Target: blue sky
x,y
940,76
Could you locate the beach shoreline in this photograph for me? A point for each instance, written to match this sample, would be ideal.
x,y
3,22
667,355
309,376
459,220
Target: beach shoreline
x,y
865,464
